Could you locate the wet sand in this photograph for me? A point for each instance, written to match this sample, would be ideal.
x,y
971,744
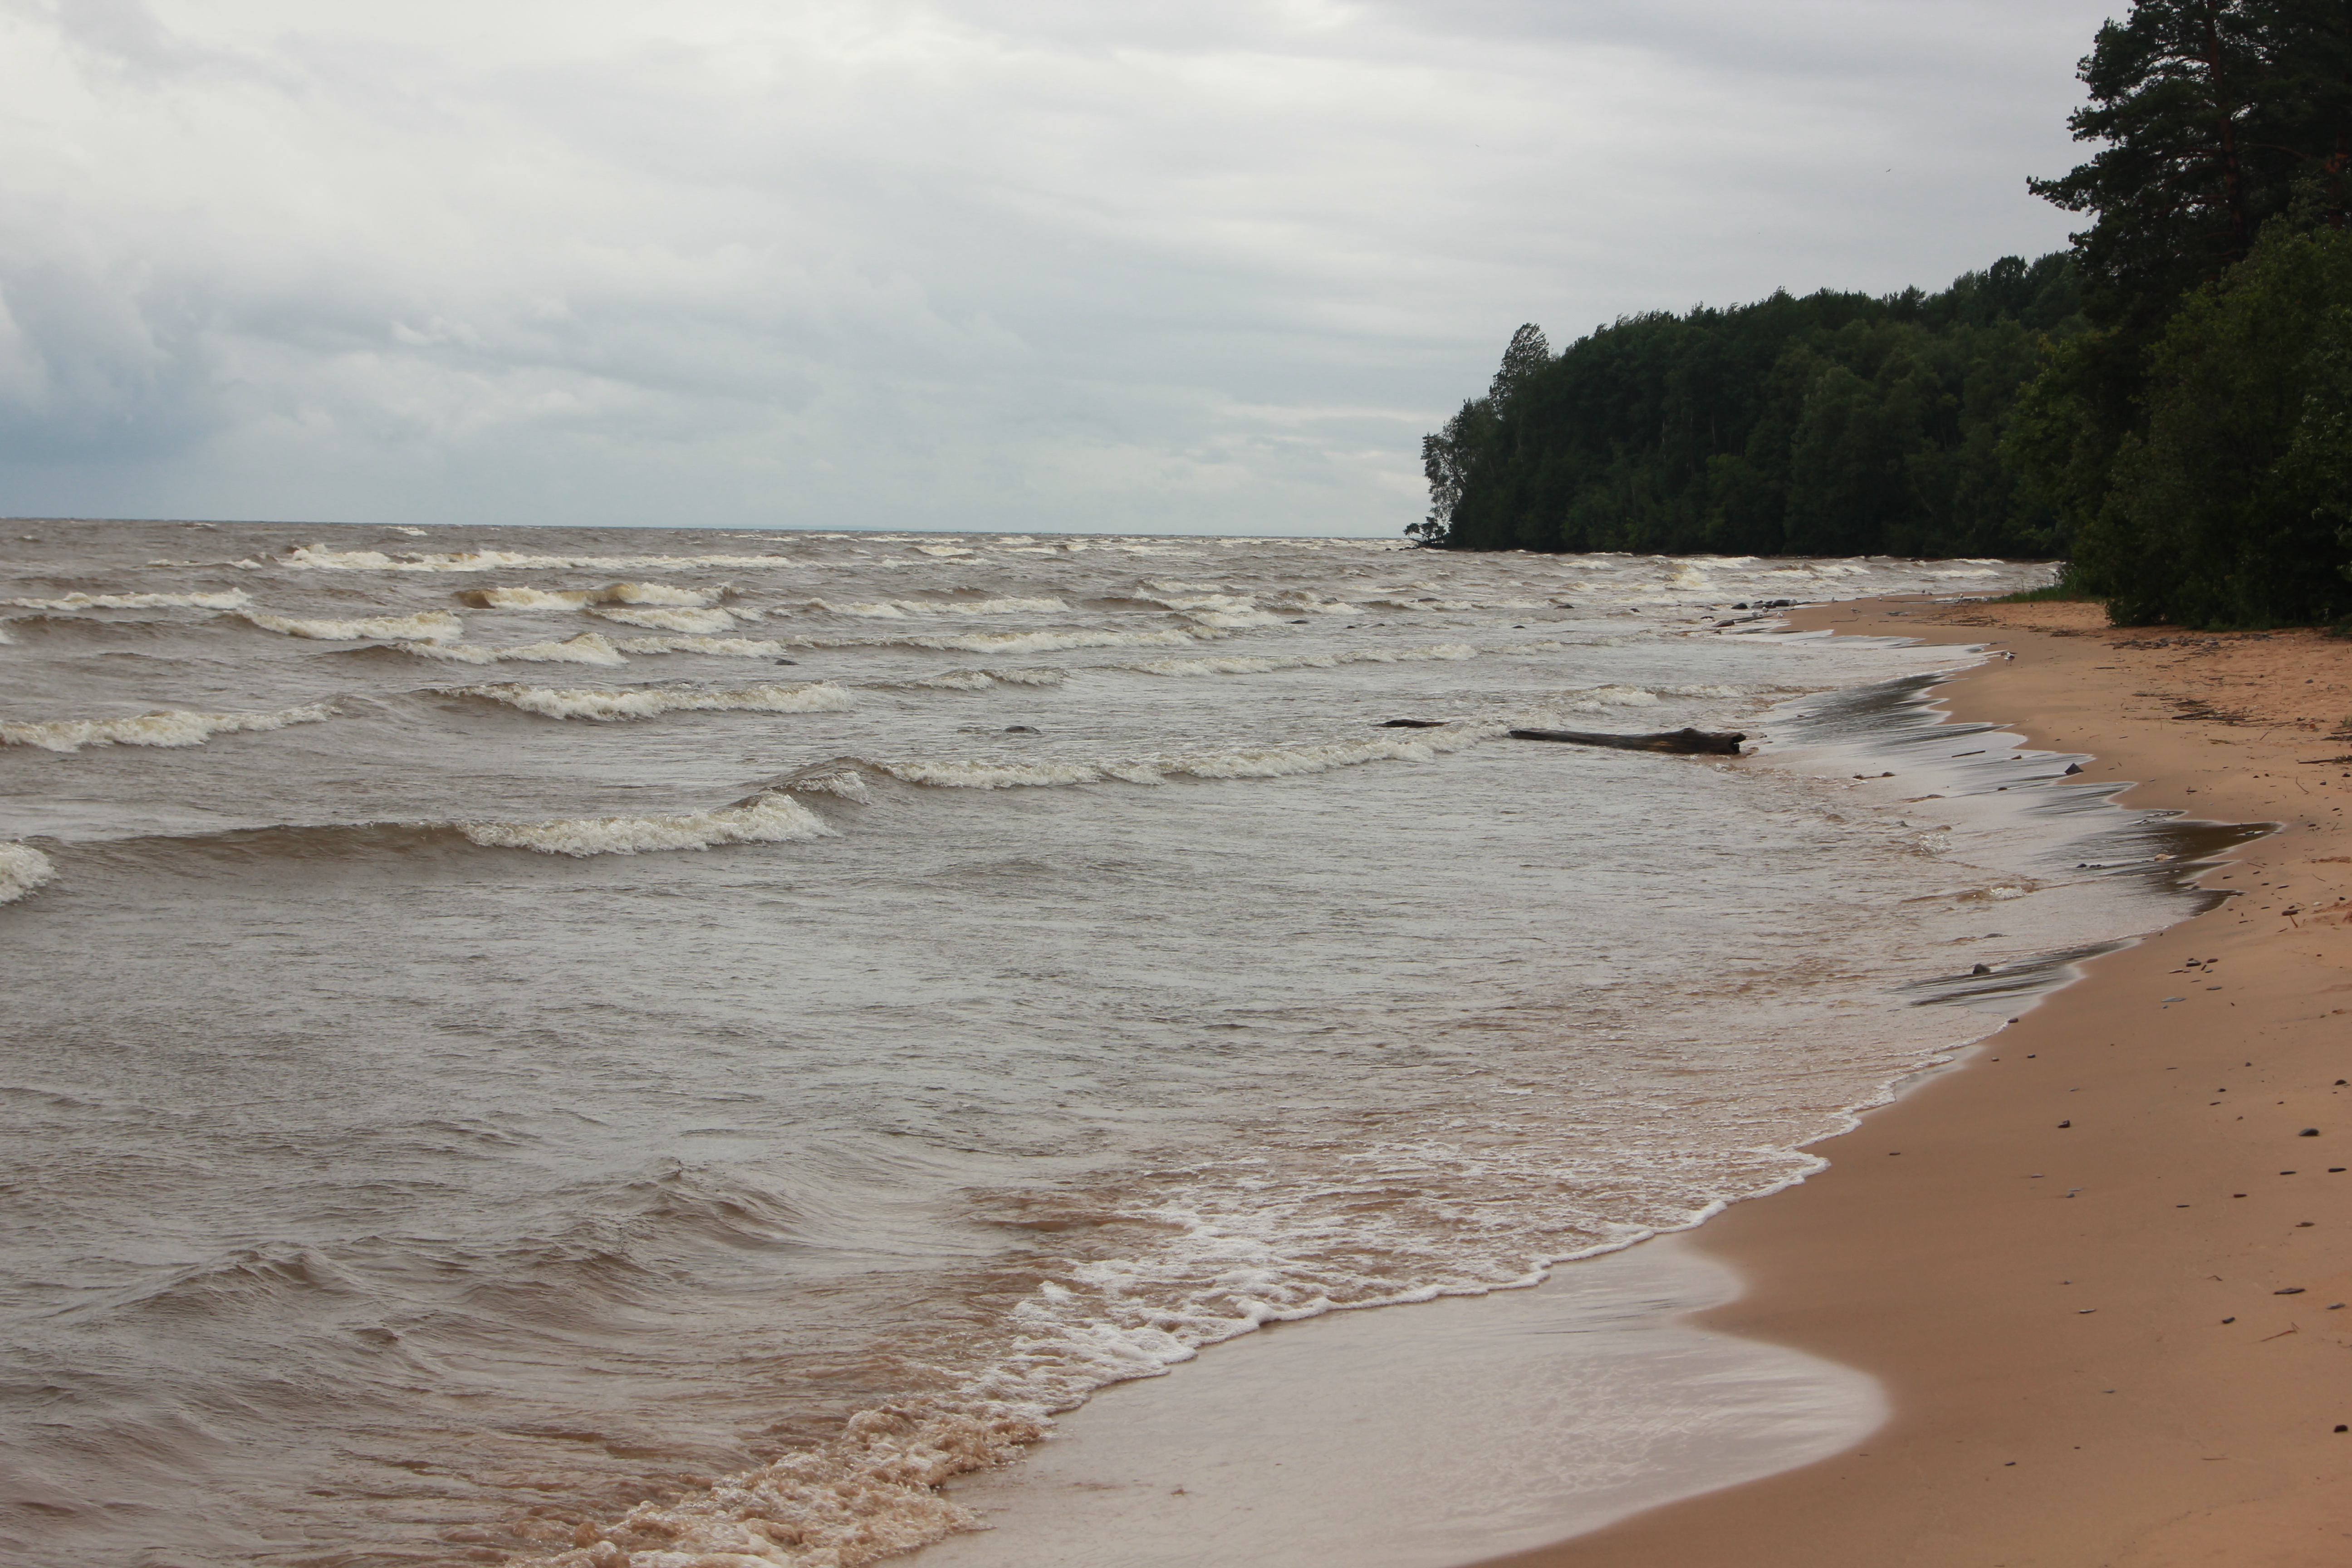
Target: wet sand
x,y
2100,1268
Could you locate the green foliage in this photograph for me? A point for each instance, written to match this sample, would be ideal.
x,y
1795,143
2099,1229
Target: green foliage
x,y
2066,591
1835,423
2228,506
2222,121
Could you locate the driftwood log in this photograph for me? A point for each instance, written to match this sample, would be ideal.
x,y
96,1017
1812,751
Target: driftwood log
x,y
1684,742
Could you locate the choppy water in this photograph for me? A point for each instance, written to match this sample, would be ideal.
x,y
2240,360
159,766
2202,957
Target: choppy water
x,y
561,1044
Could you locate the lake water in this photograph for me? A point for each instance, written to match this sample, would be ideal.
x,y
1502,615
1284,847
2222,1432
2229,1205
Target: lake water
x,y
628,1045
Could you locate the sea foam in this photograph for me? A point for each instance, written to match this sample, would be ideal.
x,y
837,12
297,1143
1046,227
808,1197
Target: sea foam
x,y
579,598
588,648
429,626
906,609
232,599
325,558
167,727
761,819
698,622
1245,665
605,704
22,869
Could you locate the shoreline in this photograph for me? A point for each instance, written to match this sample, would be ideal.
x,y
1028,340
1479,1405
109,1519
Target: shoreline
x,y
2034,1252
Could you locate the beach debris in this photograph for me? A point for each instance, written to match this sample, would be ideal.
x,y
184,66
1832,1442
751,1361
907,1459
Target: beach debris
x,y
2290,1290
1981,969
2229,1319
1682,743
1022,729
2309,1133
1410,724
2073,767
2065,1124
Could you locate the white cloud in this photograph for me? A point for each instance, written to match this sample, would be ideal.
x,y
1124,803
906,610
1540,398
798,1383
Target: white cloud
x,y
1016,263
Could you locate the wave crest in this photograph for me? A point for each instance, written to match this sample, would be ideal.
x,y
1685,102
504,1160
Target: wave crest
x,y
904,609
428,626
701,621
22,869
766,818
1243,665
588,648
724,647
579,598
326,558
165,727
233,598
605,704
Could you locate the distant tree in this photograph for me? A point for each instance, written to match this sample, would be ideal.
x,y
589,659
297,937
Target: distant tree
x,y
2229,506
1830,423
2221,120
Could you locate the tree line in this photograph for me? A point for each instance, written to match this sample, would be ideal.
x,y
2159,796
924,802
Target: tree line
x,y
2166,406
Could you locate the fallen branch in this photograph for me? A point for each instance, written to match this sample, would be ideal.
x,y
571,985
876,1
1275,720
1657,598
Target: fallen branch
x,y
1683,742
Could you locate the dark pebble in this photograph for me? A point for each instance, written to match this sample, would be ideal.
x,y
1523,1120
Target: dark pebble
x,y
2065,1124
2309,1133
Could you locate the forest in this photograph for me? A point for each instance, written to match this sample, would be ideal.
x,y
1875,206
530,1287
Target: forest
x,y
2166,406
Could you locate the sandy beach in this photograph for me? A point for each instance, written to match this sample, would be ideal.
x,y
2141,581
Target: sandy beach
x,y
2100,1268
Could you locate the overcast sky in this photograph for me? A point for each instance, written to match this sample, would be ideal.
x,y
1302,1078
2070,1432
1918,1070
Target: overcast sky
x,y
1065,265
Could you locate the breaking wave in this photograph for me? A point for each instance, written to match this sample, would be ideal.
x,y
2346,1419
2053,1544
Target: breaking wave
x,y
168,727
325,558
696,621
725,648
979,679
22,869
588,648
1029,642
232,599
605,705
579,598
766,818
904,609
429,626
1261,666
1246,763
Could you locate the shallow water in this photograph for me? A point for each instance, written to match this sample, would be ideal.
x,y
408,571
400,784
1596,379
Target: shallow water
x,y
493,1047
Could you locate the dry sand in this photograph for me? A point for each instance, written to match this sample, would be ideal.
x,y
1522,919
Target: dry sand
x,y
2098,1267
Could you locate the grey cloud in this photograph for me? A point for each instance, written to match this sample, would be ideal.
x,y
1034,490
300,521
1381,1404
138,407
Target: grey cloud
x,y
995,263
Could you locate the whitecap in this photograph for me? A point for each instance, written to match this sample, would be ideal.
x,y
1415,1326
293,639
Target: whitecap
x,y
763,819
325,558
165,727
231,599
605,704
696,621
22,869
588,648
725,648
429,626
520,599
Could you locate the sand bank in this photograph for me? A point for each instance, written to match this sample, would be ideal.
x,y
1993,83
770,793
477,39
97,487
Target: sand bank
x,y
2098,1267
